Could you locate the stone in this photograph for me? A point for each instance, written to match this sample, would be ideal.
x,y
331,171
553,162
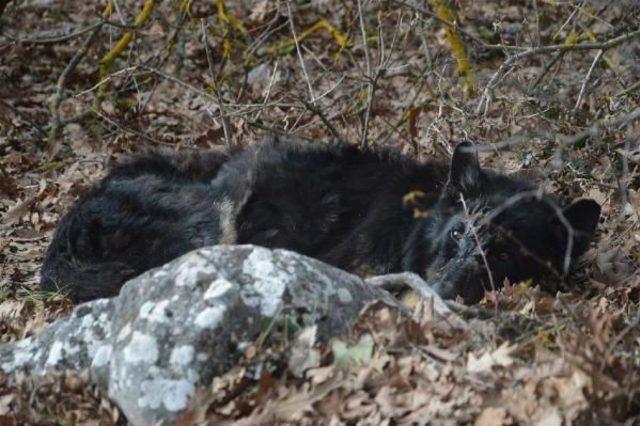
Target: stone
x,y
176,327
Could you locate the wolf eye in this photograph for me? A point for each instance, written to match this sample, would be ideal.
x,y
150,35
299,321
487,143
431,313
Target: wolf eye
x,y
457,232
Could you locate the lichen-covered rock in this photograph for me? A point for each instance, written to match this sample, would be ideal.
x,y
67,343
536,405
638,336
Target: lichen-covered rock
x,y
178,326
72,343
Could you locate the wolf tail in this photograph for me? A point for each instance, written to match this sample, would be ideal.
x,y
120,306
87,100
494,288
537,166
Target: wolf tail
x,y
65,271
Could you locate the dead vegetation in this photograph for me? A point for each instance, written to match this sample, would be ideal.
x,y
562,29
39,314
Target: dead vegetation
x,y
550,89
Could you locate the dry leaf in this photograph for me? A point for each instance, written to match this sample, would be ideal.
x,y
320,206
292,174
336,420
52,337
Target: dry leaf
x,y
492,416
303,356
501,357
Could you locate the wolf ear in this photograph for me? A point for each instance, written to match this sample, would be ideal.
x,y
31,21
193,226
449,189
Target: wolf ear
x,y
583,215
465,175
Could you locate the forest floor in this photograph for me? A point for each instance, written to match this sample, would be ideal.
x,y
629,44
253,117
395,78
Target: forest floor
x,y
568,116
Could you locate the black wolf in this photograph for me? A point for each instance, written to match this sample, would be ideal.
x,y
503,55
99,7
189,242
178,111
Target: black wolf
x,y
463,228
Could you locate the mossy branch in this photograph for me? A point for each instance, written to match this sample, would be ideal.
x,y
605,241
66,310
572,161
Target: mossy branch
x,y
229,23
341,39
183,14
457,46
107,60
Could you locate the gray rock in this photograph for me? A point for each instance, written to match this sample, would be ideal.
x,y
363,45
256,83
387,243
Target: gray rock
x,y
177,327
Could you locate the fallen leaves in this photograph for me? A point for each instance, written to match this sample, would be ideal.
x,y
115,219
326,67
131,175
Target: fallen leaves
x,y
492,416
303,355
53,399
357,354
539,359
501,357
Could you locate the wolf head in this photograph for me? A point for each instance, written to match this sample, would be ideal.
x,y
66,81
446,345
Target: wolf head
x,y
487,228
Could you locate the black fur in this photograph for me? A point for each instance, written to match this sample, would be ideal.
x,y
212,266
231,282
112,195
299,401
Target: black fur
x,y
133,220
367,212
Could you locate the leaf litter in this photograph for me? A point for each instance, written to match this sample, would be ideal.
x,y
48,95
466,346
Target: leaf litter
x,y
522,356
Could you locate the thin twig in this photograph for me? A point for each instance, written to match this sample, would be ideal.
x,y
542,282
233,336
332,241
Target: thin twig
x,y
368,76
557,57
160,58
587,78
54,132
336,134
54,39
106,62
126,129
223,117
536,194
302,65
629,89
476,237
495,79
618,338
268,90
452,25
594,130
24,117
623,182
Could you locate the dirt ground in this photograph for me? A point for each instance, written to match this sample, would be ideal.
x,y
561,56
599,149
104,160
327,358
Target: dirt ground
x,y
548,89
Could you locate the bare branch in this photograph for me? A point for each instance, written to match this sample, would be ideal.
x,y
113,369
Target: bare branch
x,y
43,39
56,125
587,78
476,237
223,117
336,134
368,76
390,282
302,65
495,79
107,60
594,130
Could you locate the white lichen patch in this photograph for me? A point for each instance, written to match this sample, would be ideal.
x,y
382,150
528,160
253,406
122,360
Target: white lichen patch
x,y
181,356
160,273
21,357
92,330
344,296
55,354
141,349
124,333
218,288
102,356
58,351
210,317
24,343
155,312
87,321
146,308
192,269
270,282
174,395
